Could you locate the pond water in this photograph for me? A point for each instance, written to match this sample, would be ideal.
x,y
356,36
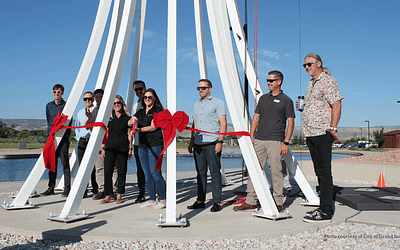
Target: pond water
x,y
19,169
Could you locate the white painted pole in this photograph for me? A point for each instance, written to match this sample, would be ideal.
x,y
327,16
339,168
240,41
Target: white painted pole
x,y
201,50
231,84
74,199
141,16
241,45
110,44
171,105
245,57
103,73
74,97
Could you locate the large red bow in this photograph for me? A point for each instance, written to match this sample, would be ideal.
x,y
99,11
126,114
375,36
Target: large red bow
x,y
49,151
178,121
169,124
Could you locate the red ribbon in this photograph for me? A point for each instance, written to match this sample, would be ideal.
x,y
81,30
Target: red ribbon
x,y
169,124
49,150
178,121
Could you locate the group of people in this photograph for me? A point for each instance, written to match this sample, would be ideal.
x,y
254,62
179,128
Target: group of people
x,y
271,130
109,173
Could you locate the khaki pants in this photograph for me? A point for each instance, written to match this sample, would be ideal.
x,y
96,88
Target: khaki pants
x,y
268,150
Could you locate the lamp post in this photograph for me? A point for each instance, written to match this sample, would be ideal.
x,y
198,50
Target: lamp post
x,y
368,129
361,134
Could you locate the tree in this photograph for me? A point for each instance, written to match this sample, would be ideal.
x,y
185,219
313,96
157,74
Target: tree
x,y
379,137
298,139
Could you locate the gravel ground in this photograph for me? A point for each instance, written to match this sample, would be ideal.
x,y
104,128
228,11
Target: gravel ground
x,y
343,236
388,157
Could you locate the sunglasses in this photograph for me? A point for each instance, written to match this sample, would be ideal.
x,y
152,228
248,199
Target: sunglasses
x,y
202,88
148,97
138,89
58,92
307,64
87,99
115,103
272,80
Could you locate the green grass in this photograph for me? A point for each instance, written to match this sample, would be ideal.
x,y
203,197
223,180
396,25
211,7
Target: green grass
x,y
32,145
15,145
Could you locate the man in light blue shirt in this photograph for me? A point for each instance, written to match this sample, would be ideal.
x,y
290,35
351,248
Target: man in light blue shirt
x,y
209,115
85,116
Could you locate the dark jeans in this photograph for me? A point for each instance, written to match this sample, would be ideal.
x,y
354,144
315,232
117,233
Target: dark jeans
x,y
119,159
82,144
62,152
140,174
205,155
321,155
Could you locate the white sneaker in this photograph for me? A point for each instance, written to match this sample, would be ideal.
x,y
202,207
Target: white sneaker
x,y
148,204
160,206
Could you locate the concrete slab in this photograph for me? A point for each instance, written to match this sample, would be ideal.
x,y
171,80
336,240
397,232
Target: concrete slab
x,y
128,221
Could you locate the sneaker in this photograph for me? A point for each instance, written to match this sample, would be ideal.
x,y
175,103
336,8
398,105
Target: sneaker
x,y
47,192
245,208
160,206
317,216
65,194
309,213
148,204
216,207
197,204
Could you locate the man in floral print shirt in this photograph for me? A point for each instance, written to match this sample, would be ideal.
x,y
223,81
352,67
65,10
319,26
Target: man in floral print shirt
x,y
321,115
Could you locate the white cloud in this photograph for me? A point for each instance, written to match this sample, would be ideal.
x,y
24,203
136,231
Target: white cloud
x,y
146,34
270,53
288,55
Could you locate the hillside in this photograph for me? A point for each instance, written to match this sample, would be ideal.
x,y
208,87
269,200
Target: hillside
x,y
345,133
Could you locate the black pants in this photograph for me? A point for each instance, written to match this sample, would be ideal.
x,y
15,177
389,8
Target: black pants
x,y
140,174
119,159
62,153
82,144
321,155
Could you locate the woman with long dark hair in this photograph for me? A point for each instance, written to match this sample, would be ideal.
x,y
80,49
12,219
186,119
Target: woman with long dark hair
x,y
151,144
117,150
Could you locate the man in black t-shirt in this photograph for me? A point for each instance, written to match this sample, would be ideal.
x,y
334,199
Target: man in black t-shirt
x,y
267,133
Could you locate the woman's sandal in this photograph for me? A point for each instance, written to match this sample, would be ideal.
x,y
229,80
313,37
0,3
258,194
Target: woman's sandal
x,y
118,201
104,201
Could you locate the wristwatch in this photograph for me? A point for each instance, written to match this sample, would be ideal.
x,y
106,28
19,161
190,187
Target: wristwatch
x,y
286,143
222,142
333,128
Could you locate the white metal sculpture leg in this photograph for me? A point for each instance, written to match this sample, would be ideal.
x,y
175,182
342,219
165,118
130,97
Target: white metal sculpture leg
x,y
171,219
301,179
141,16
223,48
250,73
104,6
69,211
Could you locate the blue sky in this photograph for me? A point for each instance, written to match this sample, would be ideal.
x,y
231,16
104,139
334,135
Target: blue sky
x,y
44,42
